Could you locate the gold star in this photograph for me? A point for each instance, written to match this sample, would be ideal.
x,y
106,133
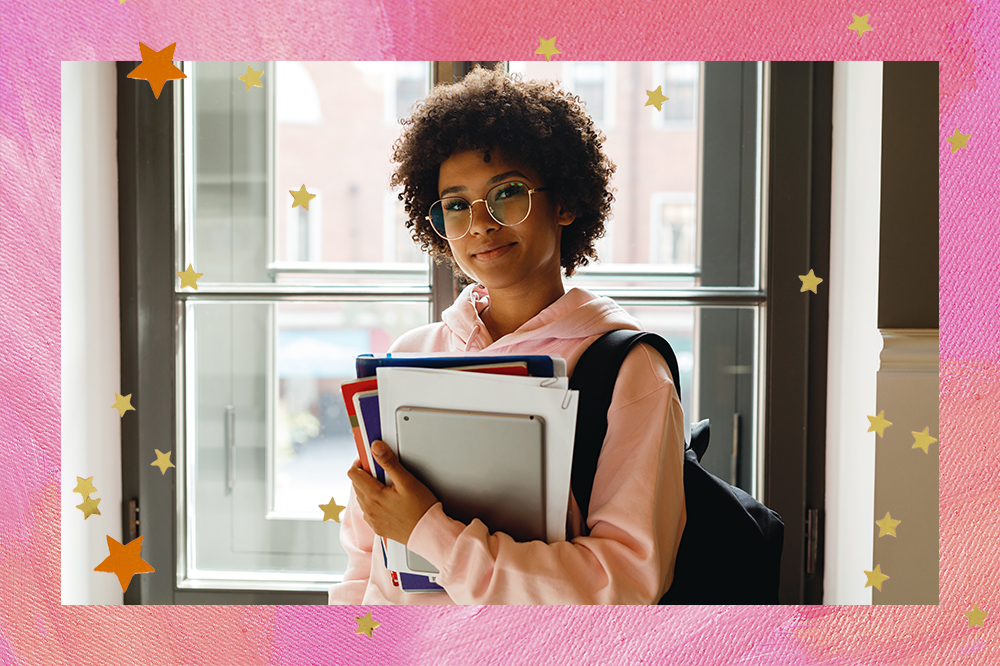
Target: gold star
x,y
89,507
809,281
123,404
655,98
366,625
878,423
301,198
922,439
958,140
162,461
251,78
157,67
124,561
331,510
976,616
189,278
887,525
547,48
860,24
876,578
84,486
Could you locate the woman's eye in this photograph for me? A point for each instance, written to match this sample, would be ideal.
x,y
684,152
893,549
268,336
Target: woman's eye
x,y
455,204
510,190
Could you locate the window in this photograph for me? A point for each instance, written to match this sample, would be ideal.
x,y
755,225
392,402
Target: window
x,y
395,234
263,421
248,393
304,229
594,82
672,228
679,81
405,84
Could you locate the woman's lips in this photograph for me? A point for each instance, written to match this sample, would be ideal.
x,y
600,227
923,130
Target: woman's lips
x,y
493,254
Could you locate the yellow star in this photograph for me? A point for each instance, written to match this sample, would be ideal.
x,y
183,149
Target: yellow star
x,y
89,507
922,439
189,278
655,98
251,78
301,198
809,281
122,404
887,525
162,461
124,561
976,616
84,486
547,48
879,424
876,578
366,625
860,24
331,510
958,140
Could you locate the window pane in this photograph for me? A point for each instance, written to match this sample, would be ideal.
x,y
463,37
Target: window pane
x,y
327,134
344,158
267,437
229,183
316,346
648,231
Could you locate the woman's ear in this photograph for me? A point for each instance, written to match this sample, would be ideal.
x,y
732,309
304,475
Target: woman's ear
x,y
564,217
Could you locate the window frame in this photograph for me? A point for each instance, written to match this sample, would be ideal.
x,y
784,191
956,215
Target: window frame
x,y
150,162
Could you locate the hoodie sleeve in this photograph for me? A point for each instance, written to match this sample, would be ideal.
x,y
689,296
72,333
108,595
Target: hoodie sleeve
x,y
636,515
357,539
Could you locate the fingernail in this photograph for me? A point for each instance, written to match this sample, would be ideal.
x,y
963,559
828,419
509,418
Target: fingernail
x,y
378,448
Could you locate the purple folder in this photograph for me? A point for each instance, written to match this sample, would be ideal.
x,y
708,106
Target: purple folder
x,y
369,413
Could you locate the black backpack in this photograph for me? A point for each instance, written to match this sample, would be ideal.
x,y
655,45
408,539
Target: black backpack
x,y
730,551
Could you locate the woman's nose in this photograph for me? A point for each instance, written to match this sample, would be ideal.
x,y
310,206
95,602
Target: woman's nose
x,y
482,221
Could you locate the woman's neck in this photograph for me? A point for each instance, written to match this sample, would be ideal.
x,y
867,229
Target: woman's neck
x,y
510,308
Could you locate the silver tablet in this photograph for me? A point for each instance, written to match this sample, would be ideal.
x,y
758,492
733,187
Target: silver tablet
x,y
479,465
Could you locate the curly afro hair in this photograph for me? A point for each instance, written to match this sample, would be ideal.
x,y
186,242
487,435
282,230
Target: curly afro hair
x,y
534,123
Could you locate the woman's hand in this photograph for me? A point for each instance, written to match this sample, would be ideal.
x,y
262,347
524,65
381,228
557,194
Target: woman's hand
x,y
391,511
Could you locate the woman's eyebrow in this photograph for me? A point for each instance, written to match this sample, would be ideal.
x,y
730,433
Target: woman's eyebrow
x,y
500,177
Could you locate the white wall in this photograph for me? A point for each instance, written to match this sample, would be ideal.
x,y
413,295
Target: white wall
x,y
91,358
854,342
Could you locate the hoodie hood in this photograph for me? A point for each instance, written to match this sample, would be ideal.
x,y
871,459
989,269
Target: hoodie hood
x,y
564,329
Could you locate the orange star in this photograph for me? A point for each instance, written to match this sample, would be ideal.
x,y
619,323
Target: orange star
x,y
157,67
124,561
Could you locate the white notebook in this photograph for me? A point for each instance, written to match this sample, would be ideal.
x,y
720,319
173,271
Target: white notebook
x,y
547,398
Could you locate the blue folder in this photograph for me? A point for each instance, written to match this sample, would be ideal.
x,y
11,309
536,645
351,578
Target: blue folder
x,y
538,366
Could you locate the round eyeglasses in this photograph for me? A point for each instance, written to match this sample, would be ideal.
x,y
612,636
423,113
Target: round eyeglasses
x,y
508,203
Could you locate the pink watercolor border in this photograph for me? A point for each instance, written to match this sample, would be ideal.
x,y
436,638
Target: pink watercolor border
x,y
34,38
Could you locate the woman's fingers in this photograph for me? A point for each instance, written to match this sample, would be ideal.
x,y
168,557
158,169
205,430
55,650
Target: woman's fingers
x,y
389,462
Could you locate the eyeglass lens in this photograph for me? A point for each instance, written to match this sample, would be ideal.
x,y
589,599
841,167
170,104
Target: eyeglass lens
x,y
508,203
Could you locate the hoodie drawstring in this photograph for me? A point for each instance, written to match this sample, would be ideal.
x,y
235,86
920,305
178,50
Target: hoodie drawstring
x,y
472,337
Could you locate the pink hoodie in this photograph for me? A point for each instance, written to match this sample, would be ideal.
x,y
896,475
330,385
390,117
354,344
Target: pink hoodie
x,y
636,515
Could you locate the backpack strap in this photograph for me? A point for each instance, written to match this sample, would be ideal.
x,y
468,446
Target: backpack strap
x,y
594,377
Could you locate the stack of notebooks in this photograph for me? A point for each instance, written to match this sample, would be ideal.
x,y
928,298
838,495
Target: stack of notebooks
x,y
491,436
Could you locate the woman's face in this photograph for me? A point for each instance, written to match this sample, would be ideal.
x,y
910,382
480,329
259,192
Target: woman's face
x,y
495,255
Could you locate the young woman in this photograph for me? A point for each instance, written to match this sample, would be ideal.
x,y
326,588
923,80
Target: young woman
x,y
508,181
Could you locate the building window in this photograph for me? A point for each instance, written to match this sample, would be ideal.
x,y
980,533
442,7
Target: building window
x,y
405,84
680,82
304,231
672,229
594,82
